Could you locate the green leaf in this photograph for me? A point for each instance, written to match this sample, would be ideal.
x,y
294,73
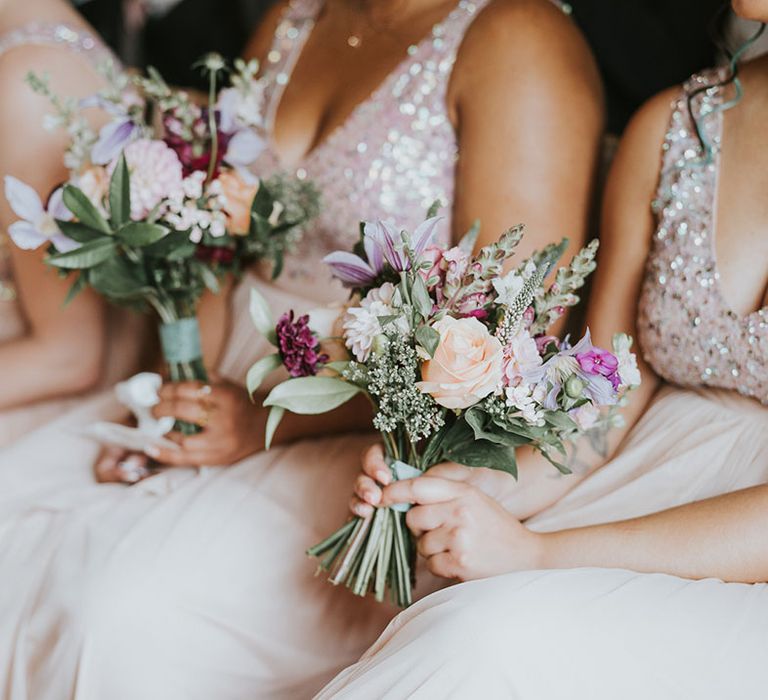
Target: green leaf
x,y
86,256
481,453
140,234
120,193
175,246
420,296
259,372
338,366
273,420
560,420
261,315
262,202
311,395
77,286
117,278
79,232
209,278
78,203
428,338
434,209
484,429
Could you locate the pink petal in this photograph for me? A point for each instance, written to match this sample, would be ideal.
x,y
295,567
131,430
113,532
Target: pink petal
x,y
424,234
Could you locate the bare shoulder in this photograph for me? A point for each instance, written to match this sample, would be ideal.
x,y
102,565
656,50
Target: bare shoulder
x,y
261,39
640,150
528,37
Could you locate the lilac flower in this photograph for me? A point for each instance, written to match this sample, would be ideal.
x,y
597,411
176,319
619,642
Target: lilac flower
x,y
298,346
382,243
113,139
598,362
38,223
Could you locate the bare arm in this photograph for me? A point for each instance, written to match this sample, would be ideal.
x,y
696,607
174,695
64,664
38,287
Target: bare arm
x,y
627,226
62,351
722,537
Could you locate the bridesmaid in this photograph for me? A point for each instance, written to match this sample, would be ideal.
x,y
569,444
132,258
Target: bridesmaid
x,y
48,354
703,326
193,583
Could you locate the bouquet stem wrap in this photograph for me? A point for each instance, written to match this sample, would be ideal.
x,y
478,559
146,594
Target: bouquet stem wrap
x,y
182,350
374,553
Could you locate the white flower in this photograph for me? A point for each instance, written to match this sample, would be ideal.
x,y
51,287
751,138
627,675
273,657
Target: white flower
x,y
628,371
585,416
508,287
521,357
526,400
361,323
192,185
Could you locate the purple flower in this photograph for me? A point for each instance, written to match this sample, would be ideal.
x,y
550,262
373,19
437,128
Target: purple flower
x,y
598,362
299,346
113,139
383,244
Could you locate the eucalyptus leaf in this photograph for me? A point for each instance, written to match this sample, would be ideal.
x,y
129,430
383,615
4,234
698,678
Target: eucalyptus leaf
x,y
259,372
78,203
120,193
560,420
79,232
468,241
485,429
482,453
119,279
86,256
428,338
140,234
273,421
167,246
311,395
261,315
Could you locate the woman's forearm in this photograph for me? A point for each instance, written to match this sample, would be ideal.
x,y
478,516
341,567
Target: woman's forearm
x,y
722,537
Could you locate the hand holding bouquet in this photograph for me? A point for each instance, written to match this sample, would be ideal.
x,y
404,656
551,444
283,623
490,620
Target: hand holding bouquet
x,y
151,216
453,354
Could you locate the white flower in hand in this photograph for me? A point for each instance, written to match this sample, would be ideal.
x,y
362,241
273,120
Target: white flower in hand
x,y
628,371
38,225
140,393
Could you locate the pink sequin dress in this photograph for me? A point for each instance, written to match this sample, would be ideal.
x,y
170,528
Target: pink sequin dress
x,y
606,634
126,332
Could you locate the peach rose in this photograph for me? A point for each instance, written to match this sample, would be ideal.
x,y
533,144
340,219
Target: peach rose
x,y
467,365
239,196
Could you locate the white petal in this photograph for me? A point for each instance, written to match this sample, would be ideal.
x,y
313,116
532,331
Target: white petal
x,y
56,207
25,235
245,147
63,243
24,201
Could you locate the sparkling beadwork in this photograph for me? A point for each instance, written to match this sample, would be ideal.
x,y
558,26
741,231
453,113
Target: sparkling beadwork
x,y
717,347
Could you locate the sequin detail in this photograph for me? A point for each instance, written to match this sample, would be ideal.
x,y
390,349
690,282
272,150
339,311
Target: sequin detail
x,y
687,331
58,36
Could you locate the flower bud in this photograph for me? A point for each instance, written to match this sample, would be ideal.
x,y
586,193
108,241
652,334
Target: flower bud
x,y
380,344
574,387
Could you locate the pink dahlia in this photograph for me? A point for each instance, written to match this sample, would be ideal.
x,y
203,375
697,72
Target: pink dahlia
x,y
299,346
156,175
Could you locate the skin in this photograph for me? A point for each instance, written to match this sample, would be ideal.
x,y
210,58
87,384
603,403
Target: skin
x,y
522,72
62,350
723,537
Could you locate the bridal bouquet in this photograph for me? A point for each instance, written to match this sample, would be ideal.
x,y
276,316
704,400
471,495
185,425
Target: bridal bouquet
x,y
160,204
453,354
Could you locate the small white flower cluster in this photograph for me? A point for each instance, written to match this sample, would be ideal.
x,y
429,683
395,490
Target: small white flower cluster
x,y
527,399
185,213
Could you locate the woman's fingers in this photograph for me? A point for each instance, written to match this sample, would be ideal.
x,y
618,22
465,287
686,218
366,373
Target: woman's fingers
x,y
375,466
444,566
191,411
367,490
421,519
115,465
423,490
452,471
434,542
360,508
187,391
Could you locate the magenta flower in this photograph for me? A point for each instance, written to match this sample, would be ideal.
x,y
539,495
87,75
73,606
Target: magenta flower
x,y
598,362
299,346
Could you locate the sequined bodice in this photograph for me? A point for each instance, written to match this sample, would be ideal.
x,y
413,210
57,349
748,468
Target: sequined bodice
x,y
392,157
687,331
40,34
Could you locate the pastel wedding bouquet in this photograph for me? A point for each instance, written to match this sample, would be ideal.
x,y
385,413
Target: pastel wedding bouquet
x,y
455,357
160,203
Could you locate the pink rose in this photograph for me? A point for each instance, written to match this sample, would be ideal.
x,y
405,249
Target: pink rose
x,y
434,255
467,365
455,263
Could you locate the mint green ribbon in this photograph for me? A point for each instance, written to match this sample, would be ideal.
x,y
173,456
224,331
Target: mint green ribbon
x,y
181,341
401,471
